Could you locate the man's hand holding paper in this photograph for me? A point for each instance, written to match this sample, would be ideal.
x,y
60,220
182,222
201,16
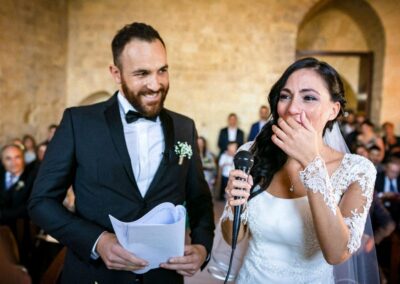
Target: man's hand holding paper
x,y
155,238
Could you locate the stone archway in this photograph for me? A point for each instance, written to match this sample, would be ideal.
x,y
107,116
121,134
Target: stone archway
x,y
95,98
347,26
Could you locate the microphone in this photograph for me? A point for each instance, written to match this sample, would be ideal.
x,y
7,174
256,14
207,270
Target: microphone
x,y
243,161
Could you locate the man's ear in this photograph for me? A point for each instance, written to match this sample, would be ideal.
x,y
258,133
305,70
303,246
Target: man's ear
x,y
115,73
334,111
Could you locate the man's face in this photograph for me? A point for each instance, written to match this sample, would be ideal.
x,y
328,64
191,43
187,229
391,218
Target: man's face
x,y
143,75
232,121
392,170
13,160
264,112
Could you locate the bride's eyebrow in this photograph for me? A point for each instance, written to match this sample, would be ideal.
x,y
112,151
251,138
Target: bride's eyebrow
x,y
310,90
286,90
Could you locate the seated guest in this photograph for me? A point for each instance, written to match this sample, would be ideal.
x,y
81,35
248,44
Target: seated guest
x,y
15,186
225,166
51,130
230,134
362,151
387,185
208,161
374,155
391,141
369,138
30,149
257,126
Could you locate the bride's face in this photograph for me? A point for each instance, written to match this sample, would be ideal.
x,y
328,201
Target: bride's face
x,y
305,90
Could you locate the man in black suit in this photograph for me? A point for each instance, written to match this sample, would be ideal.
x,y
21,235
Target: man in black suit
x,y
119,157
387,185
257,126
230,134
15,187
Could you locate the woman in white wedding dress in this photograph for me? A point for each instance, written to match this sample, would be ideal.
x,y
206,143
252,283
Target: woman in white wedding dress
x,y
309,202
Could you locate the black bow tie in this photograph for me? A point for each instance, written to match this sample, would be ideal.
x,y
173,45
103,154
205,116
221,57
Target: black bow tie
x,y
132,116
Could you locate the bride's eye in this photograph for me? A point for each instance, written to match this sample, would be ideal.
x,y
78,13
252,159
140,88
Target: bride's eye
x,y
283,97
309,98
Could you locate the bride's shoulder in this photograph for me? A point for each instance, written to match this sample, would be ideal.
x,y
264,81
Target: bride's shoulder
x,y
359,165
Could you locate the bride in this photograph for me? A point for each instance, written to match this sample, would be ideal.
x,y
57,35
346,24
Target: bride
x,y
308,202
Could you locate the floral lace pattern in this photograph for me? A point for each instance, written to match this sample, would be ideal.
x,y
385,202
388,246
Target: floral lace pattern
x,y
353,169
315,178
283,247
227,214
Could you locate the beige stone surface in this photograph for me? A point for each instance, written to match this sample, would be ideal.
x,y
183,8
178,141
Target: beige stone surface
x,y
33,37
224,55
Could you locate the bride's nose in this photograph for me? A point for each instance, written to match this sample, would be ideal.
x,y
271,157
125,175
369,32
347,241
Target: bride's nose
x,y
294,107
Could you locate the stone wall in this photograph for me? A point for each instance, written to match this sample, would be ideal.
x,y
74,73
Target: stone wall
x,y
224,55
32,66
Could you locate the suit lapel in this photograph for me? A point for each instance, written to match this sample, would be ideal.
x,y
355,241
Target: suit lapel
x,y
169,137
114,123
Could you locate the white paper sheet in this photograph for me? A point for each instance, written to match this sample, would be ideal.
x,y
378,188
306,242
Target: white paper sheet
x,y
156,237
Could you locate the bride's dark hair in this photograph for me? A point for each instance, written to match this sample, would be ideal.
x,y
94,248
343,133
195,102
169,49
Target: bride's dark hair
x,y
268,158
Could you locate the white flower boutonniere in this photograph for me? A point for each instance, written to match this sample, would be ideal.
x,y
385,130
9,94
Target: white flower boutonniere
x,y
20,185
183,149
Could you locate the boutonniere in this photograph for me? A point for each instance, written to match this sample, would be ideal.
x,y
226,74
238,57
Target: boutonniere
x,y
20,185
183,149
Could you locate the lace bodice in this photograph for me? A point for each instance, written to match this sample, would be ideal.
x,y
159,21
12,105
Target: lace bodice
x,y
283,247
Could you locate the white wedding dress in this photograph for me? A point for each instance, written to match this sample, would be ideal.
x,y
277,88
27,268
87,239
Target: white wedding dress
x,y
283,247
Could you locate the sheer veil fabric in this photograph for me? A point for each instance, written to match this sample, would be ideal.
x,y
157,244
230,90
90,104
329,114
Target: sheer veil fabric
x,y
361,268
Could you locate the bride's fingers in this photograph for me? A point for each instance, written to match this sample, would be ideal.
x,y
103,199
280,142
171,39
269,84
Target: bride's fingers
x,y
279,133
304,120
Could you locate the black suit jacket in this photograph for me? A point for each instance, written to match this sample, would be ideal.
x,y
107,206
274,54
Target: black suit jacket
x,y
13,202
380,182
223,139
89,152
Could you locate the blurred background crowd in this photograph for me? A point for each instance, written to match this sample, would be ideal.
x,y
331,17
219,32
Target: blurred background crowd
x,y
21,158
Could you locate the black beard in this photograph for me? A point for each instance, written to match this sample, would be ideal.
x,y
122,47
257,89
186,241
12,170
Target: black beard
x,y
134,100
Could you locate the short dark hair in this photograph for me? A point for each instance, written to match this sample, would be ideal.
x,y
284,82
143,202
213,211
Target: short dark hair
x,y
129,32
15,146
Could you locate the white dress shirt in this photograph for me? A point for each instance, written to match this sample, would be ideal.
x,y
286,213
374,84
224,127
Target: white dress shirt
x,y
232,132
145,142
10,180
387,185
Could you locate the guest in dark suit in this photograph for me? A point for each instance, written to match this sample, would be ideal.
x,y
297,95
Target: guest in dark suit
x,y
119,156
16,183
387,185
230,134
257,126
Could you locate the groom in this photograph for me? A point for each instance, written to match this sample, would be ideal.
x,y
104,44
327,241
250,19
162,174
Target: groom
x,y
120,158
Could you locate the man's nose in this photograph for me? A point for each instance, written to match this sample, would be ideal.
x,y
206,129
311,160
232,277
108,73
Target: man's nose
x,y
153,83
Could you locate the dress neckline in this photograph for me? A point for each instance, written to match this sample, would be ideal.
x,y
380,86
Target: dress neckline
x,y
305,196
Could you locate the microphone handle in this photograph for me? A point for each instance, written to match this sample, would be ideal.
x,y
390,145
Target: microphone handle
x,y
237,211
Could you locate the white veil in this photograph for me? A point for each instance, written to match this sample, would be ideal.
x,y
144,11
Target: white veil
x,y
361,268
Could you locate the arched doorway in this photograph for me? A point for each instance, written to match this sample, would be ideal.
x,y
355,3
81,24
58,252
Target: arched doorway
x,y
95,98
348,35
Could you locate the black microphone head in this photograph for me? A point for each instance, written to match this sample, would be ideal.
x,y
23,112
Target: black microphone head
x,y
243,160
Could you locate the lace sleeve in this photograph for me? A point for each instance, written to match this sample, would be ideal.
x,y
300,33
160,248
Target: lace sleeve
x,y
363,175
227,214
360,172
315,177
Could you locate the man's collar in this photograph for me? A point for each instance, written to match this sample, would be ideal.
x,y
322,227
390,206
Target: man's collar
x,y
124,104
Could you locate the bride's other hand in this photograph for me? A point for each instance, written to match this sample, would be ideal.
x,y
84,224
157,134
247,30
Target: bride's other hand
x,y
297,140
239,185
